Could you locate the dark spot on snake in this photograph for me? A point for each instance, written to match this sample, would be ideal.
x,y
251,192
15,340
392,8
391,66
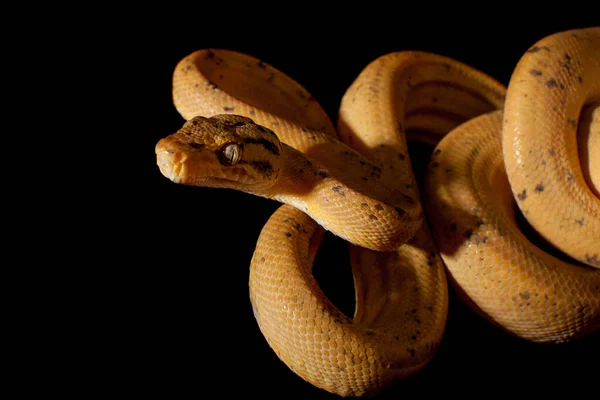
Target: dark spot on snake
x,y
434,99
525,295
535,72
264,167
261,65
453,227
594,260
438,151
312,137
468,233
570,177
226,108
364,178
481,240
234,125
401,156
379,207
572,123
301,94
262,259
195,145
408,185
211,85
400,212
288,234
373,217
435,164
339,190
412,352
209,55
539,187
580,221
301,170
266,144
321,174
376,173
535,49
580,79
552,152
252,112
522,195
552,83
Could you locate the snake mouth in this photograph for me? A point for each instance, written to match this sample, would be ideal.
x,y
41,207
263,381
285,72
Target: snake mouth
x,y
172,164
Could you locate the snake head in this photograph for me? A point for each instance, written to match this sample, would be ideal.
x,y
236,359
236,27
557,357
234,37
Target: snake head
x,y
225,151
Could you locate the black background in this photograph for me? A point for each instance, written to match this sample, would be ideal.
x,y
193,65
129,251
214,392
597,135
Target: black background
x,y
182,321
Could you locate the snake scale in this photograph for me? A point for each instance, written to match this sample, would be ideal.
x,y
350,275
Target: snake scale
x,y
531,148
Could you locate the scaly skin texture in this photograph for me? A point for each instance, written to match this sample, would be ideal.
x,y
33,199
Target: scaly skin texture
x,y
496,269
549,87
401,295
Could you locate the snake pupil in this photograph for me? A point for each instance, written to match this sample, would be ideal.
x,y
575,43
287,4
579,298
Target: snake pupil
x,y
230,154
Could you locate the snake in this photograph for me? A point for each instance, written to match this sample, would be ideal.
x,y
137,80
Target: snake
x,y
528,149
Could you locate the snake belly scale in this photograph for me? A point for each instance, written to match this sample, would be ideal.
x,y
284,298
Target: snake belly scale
x,y
252,128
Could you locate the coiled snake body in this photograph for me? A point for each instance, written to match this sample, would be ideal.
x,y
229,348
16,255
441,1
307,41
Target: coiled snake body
x,y
356,182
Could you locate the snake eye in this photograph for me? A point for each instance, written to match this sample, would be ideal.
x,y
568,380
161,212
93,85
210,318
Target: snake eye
x,y
230,154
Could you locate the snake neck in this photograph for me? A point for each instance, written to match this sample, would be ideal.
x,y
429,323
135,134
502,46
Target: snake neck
x,y
297,179
341,208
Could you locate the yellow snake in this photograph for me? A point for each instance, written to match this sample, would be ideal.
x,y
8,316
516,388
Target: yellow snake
x,y
252,128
